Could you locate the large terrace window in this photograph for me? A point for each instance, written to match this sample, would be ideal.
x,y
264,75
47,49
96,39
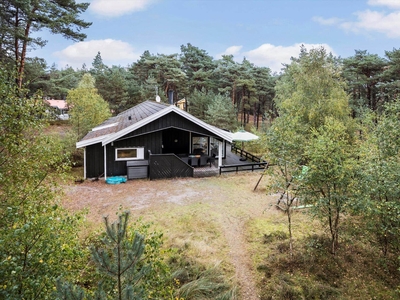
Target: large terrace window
x,y
214,144
200,145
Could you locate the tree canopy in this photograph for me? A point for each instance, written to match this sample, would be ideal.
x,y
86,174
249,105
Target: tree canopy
x,y
19,19
314,119
37,237
87,108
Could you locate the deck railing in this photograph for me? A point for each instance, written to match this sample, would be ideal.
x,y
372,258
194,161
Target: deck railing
x,y
171,166
168,166
256,163
246,155
243,167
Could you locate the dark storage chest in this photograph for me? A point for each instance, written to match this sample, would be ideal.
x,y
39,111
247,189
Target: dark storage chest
x,y
137,169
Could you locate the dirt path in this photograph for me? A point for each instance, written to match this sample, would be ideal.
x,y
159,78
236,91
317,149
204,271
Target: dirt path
x,y
230,198
240,259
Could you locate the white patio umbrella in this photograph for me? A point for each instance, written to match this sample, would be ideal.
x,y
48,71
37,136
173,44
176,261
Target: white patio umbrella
x,y
243,136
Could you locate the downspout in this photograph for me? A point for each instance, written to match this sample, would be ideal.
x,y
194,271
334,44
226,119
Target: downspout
x,y
105,162
220,145
190,142
84,163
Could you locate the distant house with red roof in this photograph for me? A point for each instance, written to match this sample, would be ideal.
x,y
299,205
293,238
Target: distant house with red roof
x,y
60,108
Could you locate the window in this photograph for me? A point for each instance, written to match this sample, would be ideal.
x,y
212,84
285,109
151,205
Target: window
x,y
200,145
129,153
214,146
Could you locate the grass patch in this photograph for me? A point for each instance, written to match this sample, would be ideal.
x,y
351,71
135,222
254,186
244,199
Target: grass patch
x,y
200,217
358,271
197,254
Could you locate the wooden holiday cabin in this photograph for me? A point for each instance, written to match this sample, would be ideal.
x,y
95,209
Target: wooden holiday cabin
x,y
154,140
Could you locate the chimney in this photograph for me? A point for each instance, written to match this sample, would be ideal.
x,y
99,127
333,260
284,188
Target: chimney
x,y
171,97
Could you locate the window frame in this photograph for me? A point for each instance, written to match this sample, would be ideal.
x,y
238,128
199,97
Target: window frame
x,y
215,142
139,153
202,141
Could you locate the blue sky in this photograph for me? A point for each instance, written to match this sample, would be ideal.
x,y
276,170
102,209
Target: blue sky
x,y
266,32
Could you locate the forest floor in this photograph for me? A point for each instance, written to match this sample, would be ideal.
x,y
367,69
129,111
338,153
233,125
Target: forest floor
x,y
208,214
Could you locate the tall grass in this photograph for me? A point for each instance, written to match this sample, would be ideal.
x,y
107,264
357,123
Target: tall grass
x,y
210,283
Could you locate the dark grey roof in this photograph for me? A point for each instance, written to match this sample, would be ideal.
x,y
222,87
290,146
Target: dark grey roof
x,y
137,117
125,119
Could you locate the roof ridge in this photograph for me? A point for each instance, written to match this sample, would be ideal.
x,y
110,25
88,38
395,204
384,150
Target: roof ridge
x,y
142,106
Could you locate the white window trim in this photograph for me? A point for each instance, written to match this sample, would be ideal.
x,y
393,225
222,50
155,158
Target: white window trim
x,y
140,153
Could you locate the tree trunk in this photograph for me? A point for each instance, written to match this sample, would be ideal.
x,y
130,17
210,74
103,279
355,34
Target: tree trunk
x,y
233,93
119,275
255,114
16,44
334,229
289,215
21,57
21,67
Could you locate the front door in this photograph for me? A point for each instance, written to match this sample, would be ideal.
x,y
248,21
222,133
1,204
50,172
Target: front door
x,y
175,141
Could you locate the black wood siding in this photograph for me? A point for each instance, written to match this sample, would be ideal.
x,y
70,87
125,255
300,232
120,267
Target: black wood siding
x,y
153,136
150,142
94,160
95,154
171,120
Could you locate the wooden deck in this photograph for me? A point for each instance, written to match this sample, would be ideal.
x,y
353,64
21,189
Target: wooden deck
x,y
206,171
232,163
213,170
172,166
233,158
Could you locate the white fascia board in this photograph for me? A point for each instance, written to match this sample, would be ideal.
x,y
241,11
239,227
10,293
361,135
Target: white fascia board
x,y
92,141
137,125
217,131
226,135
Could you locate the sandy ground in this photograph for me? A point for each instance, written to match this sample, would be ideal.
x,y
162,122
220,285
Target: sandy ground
x,y
230,197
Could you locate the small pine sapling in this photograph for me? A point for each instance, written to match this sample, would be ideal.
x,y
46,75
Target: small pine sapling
x,y
120,259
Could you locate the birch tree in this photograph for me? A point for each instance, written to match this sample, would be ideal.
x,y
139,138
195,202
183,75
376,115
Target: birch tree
x,y
87,108
310,97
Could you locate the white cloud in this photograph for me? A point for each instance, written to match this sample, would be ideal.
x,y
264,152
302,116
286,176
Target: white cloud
x,y
271,56
367,21
330,21
113,52
233,50
395,4
115,8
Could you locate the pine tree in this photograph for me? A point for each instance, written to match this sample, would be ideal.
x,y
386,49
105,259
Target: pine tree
x,y
120,259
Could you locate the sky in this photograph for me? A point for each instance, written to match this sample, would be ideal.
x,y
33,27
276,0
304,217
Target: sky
x,y
265,32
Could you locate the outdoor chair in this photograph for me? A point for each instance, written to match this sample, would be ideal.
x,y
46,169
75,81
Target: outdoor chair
x,y
204,160
211,160
194,161
185,159
198,151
